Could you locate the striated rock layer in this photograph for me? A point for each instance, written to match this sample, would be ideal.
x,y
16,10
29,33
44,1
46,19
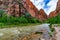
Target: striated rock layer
x,y
57,11
33,10
52,14
58,7
41,14
14,8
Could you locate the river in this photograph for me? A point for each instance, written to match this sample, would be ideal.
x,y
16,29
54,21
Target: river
x,y
13,33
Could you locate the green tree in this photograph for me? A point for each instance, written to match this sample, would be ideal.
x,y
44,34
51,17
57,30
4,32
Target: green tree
x,y
1,13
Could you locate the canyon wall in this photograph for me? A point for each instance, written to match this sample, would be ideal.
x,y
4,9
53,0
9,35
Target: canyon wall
x,y
57,11
11,7
39,14
58,7
15,9
52,14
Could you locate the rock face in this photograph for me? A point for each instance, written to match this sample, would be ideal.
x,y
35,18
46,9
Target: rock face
x,y
52,14
30,7
33,10
13,8
58,7
41,15
4,4
57,11
0,2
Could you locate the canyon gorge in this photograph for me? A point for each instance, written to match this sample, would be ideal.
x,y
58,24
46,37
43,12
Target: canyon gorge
x,y
16,8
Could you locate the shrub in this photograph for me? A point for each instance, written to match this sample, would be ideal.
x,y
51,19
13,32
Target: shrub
x,y
22,20
54,20
1,13
34,20
3,19
17,20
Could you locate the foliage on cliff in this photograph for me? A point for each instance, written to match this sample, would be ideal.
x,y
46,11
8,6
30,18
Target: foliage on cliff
x,y
18,20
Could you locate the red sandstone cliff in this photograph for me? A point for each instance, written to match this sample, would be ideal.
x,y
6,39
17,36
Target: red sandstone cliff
x,y
41,15
52,14
57,11
15,9
58,7
30,7
34,11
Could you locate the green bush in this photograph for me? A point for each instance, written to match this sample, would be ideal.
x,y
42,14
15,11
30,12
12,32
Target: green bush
x,y
34,20
3,19
54,20
17,20
1,13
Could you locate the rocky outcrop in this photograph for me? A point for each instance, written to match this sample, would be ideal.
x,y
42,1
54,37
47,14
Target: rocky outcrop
x,y
58,7
13,9
41,15
57,11
0,2
4,4
33,10
30,7
16,10
52,14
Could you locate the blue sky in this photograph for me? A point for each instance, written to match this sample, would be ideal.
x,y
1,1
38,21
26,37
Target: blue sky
x,y
47,5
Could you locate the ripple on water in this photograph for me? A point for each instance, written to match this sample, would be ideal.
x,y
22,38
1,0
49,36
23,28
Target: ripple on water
x,y
1,34
15,32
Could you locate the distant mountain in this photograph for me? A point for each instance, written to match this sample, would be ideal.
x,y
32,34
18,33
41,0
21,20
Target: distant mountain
x,y
39,14
57,11
42,15
52,14
58,7
16,8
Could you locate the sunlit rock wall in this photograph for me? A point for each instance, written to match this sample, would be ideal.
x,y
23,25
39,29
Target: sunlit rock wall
x,y
30,7
57,11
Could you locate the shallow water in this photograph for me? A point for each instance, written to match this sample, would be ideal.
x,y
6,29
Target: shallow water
x,y
13,33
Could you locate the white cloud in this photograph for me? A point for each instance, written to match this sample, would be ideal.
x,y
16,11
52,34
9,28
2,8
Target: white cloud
x,y
52,5
38,3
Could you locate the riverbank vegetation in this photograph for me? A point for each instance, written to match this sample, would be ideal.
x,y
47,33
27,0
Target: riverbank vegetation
x,y
17,21
24,20
54,20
